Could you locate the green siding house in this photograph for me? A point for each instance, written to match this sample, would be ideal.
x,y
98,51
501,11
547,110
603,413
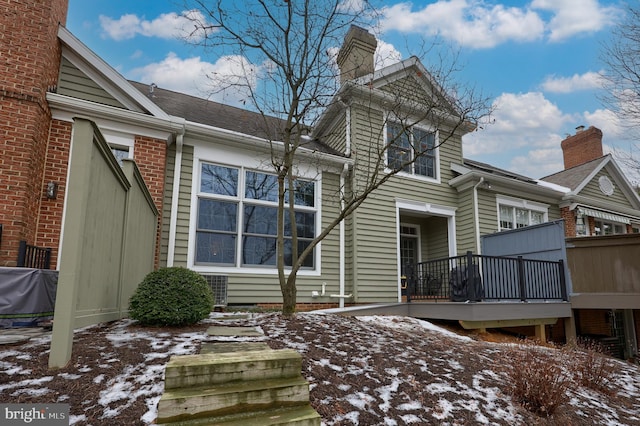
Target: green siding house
x,y
216,191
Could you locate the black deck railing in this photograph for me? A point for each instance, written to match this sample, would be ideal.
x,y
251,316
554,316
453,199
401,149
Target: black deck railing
x,y
33,257
477,278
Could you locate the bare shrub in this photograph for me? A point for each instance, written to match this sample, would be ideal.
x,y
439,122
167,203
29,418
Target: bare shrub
x,y
592,368
538,378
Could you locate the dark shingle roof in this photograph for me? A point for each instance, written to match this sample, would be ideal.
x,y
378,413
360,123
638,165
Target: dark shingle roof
x,y
215,114
573,177
496,171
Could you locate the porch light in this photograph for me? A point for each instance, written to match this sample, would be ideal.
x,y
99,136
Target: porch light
x,y
52,190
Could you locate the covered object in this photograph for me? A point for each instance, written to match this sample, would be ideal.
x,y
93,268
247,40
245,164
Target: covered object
x,y
27,296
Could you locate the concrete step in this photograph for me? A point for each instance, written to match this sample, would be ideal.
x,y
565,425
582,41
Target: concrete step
x,y
303,415
232,398
225,347
187,371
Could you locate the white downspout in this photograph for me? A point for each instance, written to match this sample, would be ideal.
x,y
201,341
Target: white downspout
x,y
173,220
475,213
347,148
345,169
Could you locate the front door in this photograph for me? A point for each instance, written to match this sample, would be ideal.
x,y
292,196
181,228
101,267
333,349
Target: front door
x,y
408,248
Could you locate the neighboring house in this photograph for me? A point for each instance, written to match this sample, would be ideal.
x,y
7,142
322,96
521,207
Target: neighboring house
x,y
207,166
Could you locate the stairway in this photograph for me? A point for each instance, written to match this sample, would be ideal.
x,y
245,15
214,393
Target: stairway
x,y
254,386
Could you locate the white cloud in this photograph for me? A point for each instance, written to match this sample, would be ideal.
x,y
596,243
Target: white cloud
x,y
525,137
386,54
166,26
587,81
470,23
480,24
571,17
227,80
607,121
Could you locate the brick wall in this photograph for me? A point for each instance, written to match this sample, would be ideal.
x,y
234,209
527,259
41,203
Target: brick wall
x,y
584,146
569,222
29,59
593,321
151,157
50,215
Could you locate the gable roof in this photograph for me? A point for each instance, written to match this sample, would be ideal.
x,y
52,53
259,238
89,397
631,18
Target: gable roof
x,y
407,68
577,176
105,76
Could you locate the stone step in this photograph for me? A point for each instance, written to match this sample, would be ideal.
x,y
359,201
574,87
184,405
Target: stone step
x,y
303,415
225,347
187,371
232,398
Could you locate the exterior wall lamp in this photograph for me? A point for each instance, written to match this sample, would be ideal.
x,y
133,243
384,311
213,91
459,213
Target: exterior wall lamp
x,y
52,190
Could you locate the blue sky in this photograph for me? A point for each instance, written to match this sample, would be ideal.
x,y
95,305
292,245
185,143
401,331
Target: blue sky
x,y
538,60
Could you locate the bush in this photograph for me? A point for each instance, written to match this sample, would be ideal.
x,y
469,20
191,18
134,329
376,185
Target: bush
x,y
593,369
538,378
171,296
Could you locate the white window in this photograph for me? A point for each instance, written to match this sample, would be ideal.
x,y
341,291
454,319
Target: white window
x,y
237,218
120,152
411,150
609,228
515,213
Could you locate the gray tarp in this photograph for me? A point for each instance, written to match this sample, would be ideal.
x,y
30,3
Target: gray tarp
x,y
27,296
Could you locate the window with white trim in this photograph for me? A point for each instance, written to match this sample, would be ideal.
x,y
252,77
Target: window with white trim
x,y
237,218
411,150
514,213
609,228
120,152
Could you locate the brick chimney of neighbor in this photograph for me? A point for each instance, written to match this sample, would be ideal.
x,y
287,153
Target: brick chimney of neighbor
x,y
355,58
584,146
29,62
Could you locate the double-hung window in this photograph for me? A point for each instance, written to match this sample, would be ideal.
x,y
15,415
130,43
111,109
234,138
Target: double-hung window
x,y
411,150
514,213
237,218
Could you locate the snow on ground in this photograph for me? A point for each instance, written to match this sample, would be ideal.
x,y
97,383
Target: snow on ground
x,y
385,370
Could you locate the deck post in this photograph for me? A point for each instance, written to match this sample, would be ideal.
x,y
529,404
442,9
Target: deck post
x,y
521,280
563,281
471,285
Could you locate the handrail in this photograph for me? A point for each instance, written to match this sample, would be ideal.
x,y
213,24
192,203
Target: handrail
x,y
473,278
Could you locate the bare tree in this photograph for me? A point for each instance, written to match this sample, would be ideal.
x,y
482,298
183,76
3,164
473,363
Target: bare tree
x,y
292,46
621,56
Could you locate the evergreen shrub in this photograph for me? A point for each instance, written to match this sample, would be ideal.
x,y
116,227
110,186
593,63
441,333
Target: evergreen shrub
x,y
171,297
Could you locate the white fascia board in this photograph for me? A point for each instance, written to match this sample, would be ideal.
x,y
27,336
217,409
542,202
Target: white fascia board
x,y
242,141
459,168
591,175
553,186
468,179
626,186
110,74
386,72
66,108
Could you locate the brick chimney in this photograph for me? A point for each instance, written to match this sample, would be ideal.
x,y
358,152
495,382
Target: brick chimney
x,y
584,146
355,57
29,63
